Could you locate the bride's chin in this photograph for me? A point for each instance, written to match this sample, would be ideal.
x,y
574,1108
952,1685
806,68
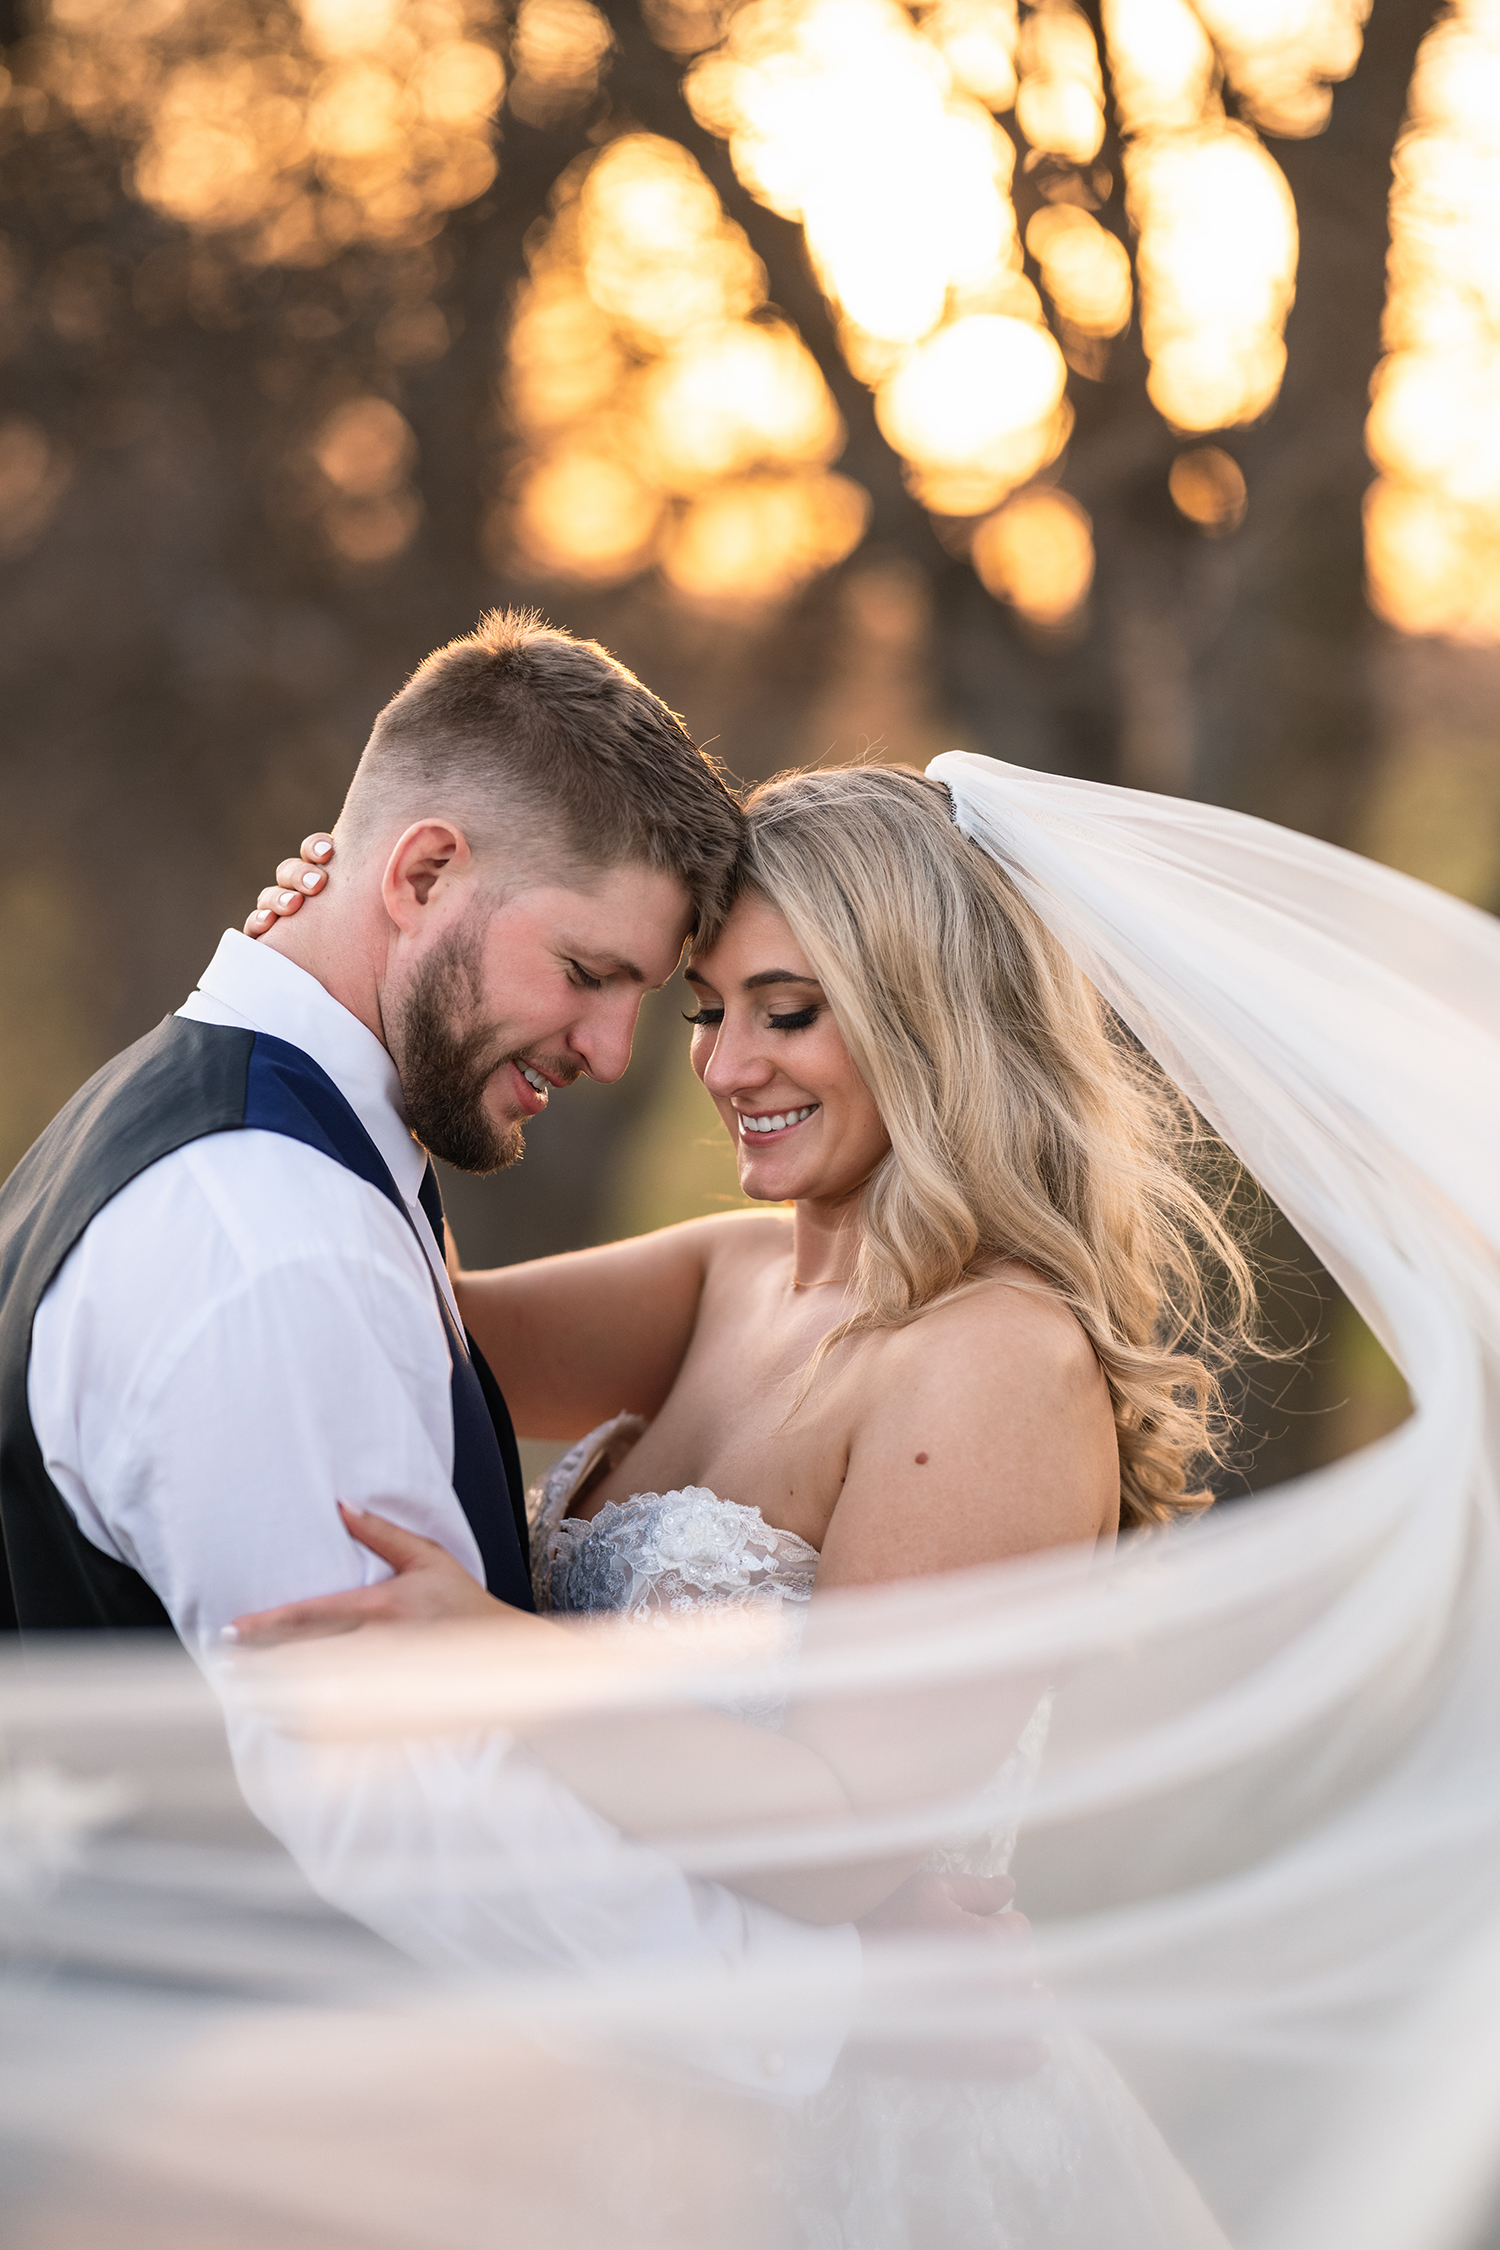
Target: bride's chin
x,y
763,1178
770,1174
760,1191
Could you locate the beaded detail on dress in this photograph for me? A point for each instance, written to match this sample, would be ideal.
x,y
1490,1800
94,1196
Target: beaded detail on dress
x,y
657,1553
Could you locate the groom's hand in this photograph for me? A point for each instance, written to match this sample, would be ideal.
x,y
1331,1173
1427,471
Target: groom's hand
x,y
985,1960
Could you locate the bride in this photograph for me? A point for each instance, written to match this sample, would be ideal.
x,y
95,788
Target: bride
x,y
981,1331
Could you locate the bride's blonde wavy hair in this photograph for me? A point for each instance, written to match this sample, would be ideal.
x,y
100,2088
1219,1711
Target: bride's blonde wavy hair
x,y
1024,1122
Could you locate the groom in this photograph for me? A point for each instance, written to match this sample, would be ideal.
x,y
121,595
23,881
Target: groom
x,y
224,1299
223,1303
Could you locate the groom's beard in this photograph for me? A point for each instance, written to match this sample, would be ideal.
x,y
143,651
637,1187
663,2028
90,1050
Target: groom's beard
x,y
444,1072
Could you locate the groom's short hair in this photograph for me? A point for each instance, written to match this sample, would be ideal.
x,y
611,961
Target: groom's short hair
x,y
526,733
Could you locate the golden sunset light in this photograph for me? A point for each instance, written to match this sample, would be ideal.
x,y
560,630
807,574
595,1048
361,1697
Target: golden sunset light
x,y
1433,515
645,368
748,930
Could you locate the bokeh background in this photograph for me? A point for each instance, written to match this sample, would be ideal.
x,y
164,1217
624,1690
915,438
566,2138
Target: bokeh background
x,y
1108,386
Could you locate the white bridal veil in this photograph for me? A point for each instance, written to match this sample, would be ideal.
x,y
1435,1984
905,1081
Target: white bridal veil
x,y
1260,1851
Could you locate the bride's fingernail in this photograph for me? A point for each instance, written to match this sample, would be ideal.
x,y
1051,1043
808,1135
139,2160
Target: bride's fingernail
x,y
229,1632
286,898
321,851
313,875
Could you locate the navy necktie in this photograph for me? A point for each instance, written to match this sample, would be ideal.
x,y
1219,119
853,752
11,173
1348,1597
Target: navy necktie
x,y
430,1196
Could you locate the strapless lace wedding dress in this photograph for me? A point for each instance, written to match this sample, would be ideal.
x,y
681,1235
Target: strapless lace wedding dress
x,y
1064,2159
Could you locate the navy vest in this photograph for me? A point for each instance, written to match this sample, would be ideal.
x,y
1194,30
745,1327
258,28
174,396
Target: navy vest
x,y
183,1080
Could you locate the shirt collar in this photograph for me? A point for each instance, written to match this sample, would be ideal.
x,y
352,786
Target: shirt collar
x,y
273,995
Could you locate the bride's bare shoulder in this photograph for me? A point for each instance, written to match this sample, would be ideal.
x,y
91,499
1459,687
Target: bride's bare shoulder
x,y
1006,1321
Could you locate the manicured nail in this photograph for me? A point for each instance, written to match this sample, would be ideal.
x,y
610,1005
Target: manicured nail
x,y
229,1632
311,879
286,898
321,851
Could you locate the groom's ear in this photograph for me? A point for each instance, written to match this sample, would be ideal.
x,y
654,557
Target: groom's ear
x,y
426,862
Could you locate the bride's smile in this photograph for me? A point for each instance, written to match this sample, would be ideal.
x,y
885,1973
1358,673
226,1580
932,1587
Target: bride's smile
x,y
765,1044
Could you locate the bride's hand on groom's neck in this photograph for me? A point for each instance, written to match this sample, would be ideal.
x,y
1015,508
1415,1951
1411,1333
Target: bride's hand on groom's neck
x,y
296,880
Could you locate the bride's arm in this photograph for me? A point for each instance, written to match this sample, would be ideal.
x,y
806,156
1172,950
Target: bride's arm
x,y
592,1333
982,1433
577,1338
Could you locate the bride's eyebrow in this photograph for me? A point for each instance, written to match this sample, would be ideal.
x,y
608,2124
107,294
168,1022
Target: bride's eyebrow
x,y
757,982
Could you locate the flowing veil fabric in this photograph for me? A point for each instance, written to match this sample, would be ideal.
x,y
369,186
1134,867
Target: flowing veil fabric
x,y
1260,1854
1320,1859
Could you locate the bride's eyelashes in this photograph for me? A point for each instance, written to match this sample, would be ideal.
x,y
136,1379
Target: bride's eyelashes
x,y
707,1019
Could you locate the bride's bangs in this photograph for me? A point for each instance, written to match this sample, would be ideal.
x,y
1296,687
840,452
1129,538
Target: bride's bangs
x,y
1024,1122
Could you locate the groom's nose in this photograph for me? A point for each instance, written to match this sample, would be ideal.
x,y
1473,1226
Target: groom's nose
x,y
601,1041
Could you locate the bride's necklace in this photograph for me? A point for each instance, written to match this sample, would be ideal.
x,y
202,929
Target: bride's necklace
x,y
837,1281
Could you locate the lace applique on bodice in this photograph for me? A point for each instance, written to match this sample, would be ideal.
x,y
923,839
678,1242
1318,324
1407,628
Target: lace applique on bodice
x,y
657,1553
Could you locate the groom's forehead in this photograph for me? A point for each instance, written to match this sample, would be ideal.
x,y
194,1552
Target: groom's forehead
x,y
630,921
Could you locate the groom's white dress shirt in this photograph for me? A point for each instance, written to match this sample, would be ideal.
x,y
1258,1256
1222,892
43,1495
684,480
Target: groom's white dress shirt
x,y
247,1334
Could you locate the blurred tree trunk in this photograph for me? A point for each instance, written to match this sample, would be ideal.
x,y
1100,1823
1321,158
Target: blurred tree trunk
x,y
1237,670
1284,679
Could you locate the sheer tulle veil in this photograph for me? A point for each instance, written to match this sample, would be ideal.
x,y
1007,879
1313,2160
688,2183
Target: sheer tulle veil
x,y
1261,1851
